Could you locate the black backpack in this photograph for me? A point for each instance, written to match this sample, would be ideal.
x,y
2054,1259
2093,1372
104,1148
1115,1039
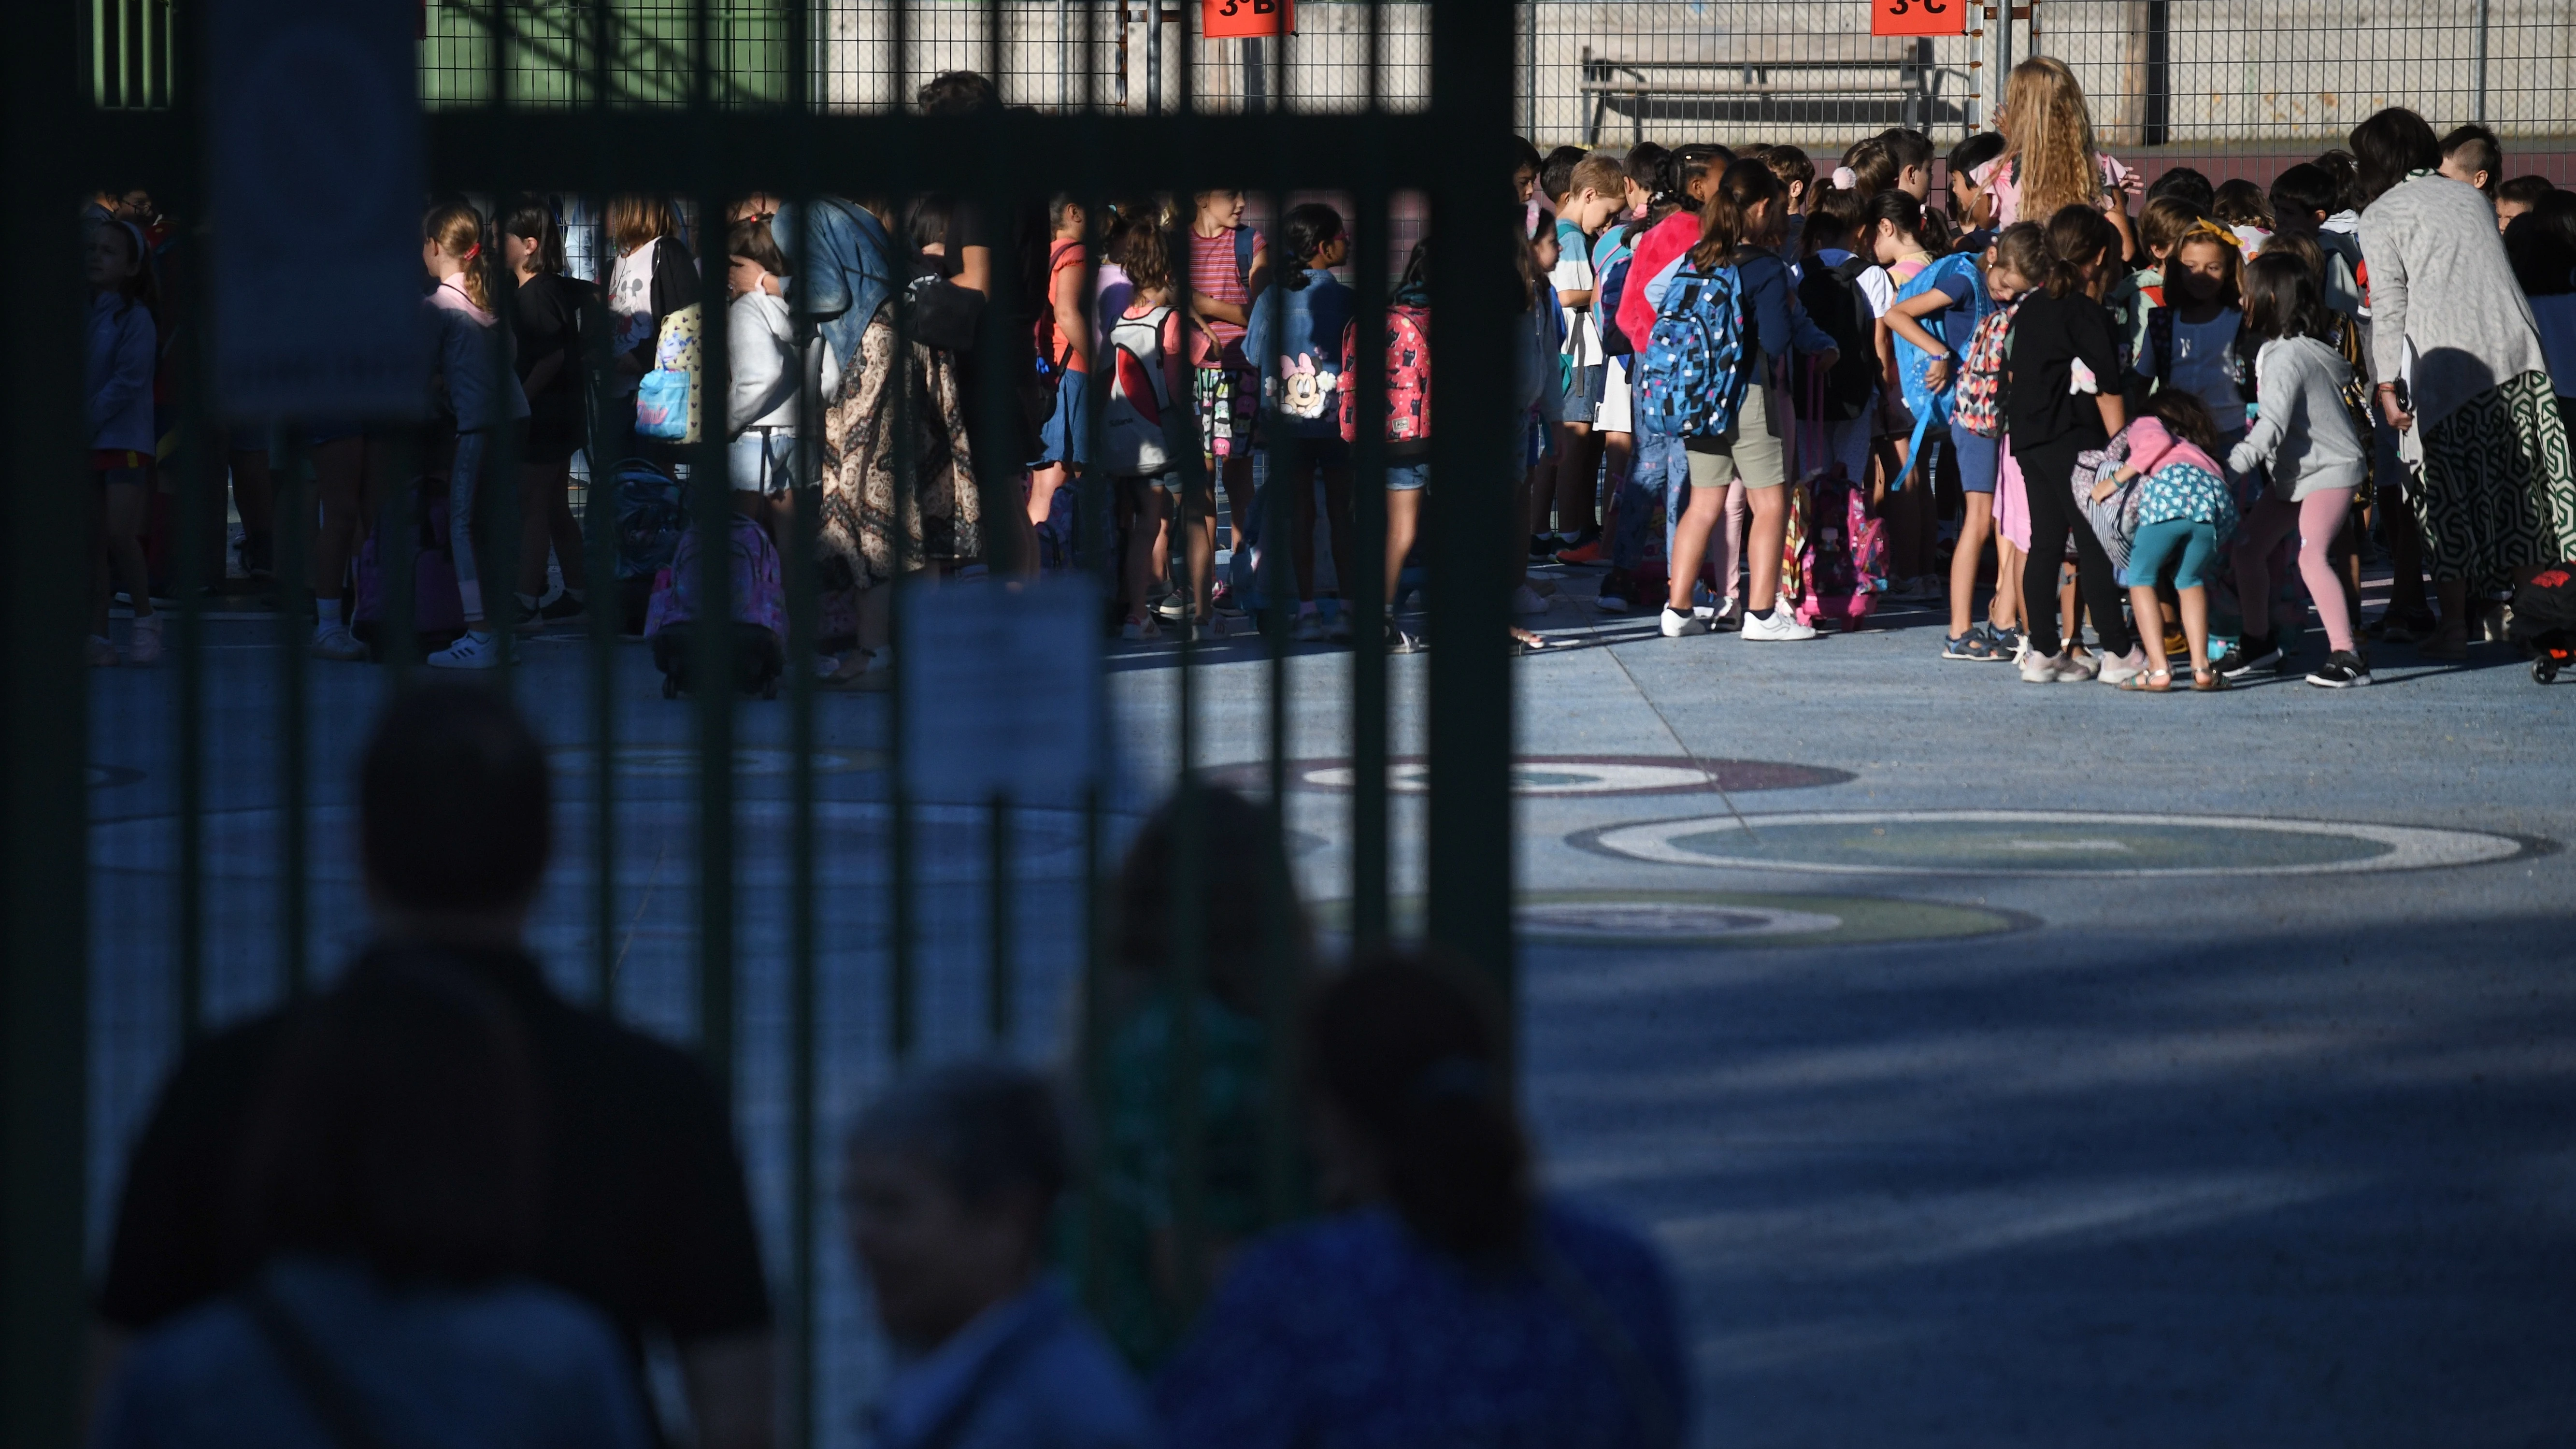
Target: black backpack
x,y
1833,300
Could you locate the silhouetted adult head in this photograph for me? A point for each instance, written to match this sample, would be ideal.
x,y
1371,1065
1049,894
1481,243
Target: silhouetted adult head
x,y
1238,862
401,1127
454,814
958,93
2390,145
1407,1057
951,1177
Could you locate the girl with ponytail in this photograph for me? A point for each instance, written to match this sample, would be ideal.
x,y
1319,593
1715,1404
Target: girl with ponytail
x,y
1449,1298
477,389
1743,469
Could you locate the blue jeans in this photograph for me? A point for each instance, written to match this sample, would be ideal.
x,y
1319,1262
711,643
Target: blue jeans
x,y
1647,503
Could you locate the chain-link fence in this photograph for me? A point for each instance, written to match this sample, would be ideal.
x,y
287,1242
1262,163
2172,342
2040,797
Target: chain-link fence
x,y
2189,76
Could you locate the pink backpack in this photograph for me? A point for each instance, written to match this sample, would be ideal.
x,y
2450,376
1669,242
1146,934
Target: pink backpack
x,y
1408,376
1845,550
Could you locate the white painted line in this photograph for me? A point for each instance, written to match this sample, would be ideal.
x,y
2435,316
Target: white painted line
x,y
2408,847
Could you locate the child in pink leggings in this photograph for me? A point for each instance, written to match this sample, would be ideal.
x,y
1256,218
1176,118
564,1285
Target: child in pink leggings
x,y
2305,441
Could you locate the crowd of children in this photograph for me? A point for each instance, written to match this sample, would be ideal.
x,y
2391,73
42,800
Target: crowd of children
x,y
1763,393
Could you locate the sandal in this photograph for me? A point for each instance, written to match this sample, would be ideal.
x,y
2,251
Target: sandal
x,y
2207,681
2147,681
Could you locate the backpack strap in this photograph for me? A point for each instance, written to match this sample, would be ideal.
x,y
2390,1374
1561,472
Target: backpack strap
x,y
1243,239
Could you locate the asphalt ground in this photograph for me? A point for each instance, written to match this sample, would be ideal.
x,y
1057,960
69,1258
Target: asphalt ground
x,y
1998,1064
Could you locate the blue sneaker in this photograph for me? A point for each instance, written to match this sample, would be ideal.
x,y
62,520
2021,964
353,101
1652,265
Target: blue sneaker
x,y
1971,647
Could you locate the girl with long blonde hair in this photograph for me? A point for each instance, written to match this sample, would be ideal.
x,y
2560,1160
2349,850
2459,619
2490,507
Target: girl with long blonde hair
x,y
2049,161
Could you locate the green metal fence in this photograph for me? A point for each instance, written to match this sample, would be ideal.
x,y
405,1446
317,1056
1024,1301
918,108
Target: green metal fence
x,y
847,881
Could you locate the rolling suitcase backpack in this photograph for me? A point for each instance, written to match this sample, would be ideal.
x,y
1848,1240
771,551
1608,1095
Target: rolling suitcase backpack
x,y
757,600
438,610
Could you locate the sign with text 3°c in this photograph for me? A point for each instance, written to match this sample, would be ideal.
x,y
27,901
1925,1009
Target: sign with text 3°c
x,y
1918,17
1242,19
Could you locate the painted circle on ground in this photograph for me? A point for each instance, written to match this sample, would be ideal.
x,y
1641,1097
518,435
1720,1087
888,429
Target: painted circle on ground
x,y
1560,775
2046,843
1705,919
680,762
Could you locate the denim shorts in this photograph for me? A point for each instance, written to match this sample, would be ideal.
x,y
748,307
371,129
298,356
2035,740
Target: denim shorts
x,y
1066,438
1977,460
1583,389
1408,477
762,460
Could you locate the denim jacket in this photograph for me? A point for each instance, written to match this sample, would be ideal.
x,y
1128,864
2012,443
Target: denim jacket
x,y
850,275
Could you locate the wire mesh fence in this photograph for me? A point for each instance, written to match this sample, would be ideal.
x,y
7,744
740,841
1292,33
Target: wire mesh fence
x,y
2192,75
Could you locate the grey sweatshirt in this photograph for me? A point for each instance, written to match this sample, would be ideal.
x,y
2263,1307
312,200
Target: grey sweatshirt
x,y
2301,429
2439,281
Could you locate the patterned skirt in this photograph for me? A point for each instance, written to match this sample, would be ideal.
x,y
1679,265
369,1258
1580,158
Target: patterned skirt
x,y
2497,495
865,499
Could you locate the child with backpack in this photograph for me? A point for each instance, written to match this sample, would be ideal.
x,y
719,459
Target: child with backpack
x,y
1407,364
763,417
1139,430
1064,350
1843,289
1595,191
2185,508
1707,377
481,397
1613,423
1659,243
1228,272
2062,398
2195,341
2304,441
2020,252
1936,308
1301,332
124,350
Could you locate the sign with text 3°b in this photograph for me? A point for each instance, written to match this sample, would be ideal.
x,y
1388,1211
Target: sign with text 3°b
x,y
1241,19
1918,17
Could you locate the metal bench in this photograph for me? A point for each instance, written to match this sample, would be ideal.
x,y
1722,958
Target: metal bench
x,y
1900,88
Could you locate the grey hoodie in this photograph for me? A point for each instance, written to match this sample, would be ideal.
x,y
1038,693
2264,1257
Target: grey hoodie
x,y
2302,430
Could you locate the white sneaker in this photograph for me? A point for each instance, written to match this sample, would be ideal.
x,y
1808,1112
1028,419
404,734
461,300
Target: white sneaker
x,y
2120,671
1677,624
145,645
1779,626
477,650
102,652
336,642
1526,603
2038,668
1310,628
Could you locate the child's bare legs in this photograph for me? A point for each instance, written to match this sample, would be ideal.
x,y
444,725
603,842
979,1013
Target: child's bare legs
x,y
119,549
1042,485
1148,542
1726,550
2005,610
1977,520
2142,599
1403,522
1236,473
1539,488
2195,627
1770,531
1198,535
1690,541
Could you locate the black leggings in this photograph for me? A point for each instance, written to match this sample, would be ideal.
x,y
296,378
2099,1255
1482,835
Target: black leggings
x,y
2047,471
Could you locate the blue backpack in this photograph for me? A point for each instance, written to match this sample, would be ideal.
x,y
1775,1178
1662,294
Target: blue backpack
x,y
1686,385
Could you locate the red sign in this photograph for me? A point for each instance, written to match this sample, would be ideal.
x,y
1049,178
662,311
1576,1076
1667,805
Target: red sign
x,y
1918,17
1241,19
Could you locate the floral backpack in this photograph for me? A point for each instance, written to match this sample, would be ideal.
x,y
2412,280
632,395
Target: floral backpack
x,y
1977,398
